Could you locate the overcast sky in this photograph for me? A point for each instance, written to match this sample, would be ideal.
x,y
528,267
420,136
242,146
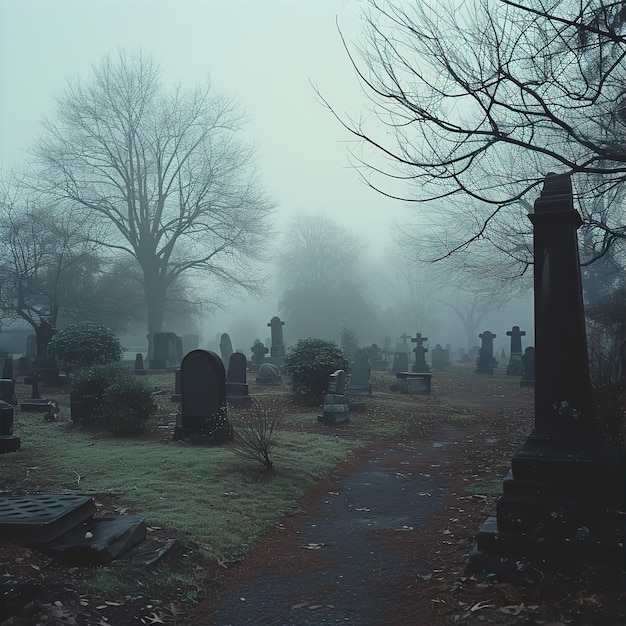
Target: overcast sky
x,y
267,52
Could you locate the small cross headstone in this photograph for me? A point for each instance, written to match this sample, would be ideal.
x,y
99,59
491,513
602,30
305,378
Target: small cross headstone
x,y
420,351
236,385
258,352
485,356
203,414
360,375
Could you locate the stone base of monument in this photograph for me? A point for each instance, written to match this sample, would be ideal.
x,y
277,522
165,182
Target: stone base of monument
x,y
9,443
515,366
559,505
336,410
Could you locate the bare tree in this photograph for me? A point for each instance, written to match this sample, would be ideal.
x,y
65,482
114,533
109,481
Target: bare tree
x,y
166,175
477,101
48,267
320,271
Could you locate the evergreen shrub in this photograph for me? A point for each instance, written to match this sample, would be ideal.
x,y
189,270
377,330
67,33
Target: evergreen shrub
x,y
85,344
310,364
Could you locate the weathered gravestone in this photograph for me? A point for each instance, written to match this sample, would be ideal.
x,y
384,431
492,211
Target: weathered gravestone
x,y
336,410
376,358
420,351
165,351
563,501
515,366
528,372
269,374
277,351
236,385
400,362
486,361
360,375
203,413
190,342
139,369
226,348
440,358
9,442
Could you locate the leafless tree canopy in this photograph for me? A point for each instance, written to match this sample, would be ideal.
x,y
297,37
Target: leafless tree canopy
x,y
164,171
473,103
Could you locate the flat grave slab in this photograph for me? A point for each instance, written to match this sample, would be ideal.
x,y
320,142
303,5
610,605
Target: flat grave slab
x,y
34,519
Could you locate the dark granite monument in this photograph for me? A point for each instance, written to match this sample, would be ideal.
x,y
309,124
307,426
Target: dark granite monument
x,y
563,500
269,374
203,414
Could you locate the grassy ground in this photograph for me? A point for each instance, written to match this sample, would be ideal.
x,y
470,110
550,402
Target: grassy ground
x,y
216,504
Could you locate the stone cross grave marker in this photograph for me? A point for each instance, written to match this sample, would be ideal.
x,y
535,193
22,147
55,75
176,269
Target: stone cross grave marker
x,y
203,414
515,366
278,346
258,352
420,351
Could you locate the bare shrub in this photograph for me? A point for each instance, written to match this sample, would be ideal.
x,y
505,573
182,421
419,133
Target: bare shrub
x,y
255,429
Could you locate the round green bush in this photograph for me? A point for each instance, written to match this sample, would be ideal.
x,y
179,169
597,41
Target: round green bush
x,y
85,344
111,397
310,364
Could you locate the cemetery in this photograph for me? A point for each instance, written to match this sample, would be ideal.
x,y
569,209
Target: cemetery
x,y
453,446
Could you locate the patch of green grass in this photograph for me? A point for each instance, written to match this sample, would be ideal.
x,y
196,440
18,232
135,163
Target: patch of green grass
x,y
215,497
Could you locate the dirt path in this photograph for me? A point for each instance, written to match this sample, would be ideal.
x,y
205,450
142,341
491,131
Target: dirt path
x,y
369,545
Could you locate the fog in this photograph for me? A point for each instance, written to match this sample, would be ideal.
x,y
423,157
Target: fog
x,y
275,56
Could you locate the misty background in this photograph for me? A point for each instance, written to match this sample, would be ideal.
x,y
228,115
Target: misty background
x,y
280,60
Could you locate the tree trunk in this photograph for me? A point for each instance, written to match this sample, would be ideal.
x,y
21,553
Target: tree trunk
x,y
155,290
